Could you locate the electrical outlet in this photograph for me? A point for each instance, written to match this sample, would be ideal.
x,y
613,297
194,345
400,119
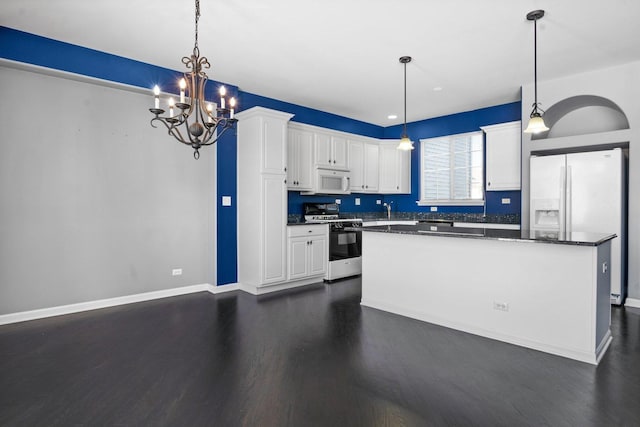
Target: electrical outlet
x,y
176,272
434,209
226,200
338,201
357,201
378,202
506,201
502,306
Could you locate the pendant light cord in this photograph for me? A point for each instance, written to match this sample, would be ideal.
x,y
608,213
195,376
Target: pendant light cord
x,y
535,62
405,100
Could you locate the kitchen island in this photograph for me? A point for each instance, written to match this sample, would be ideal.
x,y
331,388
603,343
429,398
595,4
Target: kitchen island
x,y
542,290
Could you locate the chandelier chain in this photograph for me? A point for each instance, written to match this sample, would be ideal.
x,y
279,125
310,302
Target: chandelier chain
x,y
197,17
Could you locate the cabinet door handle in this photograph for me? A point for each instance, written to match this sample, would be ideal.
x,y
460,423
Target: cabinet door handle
x,y
489,184
285,168
334,161
362,186
285,181
329,161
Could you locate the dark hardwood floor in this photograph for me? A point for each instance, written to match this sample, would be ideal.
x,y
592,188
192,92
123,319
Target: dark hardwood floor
x,y
306,357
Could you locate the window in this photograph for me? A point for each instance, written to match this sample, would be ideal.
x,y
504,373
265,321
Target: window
x,y
451,170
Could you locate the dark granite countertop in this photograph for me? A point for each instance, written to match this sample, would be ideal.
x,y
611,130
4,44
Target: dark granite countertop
x,y
424,216
570,238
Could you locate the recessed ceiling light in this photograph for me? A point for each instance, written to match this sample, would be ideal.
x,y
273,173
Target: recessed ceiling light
x,y
437,89
392,116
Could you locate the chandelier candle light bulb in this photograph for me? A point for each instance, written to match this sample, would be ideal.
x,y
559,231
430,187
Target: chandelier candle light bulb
x,y
156,94
232,104
223,92
171,104
183,85
210,111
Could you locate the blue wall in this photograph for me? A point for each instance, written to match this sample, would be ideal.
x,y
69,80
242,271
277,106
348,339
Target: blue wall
x,y
312,117
32,49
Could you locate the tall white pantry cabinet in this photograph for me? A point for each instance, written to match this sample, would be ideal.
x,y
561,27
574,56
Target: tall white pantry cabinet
x,y
262,197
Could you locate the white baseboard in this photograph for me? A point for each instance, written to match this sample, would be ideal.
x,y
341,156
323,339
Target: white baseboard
x,y
632,302
224,288
255,290
24,316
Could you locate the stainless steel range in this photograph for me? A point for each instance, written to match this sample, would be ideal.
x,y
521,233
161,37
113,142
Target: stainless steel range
x,y
345,239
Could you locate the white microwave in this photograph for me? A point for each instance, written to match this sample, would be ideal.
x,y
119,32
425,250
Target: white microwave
x,y
330,181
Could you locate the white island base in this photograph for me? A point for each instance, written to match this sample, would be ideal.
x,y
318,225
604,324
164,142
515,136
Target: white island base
x,y
550,297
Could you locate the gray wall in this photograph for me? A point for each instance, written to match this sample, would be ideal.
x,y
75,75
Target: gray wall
x,y
621,85
95,203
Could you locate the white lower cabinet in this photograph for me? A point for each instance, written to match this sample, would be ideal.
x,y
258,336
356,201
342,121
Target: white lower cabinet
x,y
308,250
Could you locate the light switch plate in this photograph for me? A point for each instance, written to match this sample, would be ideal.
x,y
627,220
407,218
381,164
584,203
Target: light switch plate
x,y
226,200
378,202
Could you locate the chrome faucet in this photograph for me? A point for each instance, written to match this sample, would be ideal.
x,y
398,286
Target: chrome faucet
x,y
388,206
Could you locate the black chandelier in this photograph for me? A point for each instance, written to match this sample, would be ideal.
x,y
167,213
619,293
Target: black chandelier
x,y
202,125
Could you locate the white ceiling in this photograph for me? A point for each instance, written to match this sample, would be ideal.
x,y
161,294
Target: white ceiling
x,y
341,56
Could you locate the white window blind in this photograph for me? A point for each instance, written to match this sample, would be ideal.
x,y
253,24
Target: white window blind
x,y
452,169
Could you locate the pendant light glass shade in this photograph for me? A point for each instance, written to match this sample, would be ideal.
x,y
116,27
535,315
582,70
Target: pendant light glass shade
x,y
405,143
536,124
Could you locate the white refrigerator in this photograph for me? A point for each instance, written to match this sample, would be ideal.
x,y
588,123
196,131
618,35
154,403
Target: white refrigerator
x,y
583,192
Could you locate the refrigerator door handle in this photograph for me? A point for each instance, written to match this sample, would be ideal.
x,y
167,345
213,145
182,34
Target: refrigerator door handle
x,y
562,193
568,202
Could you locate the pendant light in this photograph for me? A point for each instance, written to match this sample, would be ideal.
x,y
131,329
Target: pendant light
x,y
536,123
405,143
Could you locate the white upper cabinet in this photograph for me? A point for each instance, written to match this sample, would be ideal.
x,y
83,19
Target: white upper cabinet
x,y
395,169
503,156
371,166
374,165
330,151
339,147
364,166
274,145
300,159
